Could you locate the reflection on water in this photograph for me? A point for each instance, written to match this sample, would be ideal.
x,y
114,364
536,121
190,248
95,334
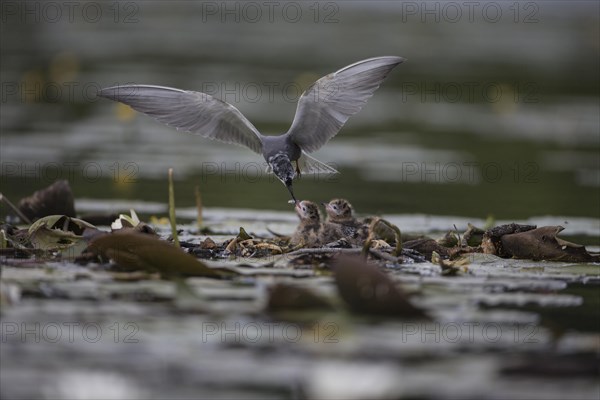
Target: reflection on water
x,y
489,115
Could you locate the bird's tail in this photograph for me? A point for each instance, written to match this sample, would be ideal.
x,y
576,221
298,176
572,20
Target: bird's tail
x,y
309,165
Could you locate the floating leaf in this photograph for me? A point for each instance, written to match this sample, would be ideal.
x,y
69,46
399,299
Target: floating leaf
x,y
134,251
367,290
543,244
491,243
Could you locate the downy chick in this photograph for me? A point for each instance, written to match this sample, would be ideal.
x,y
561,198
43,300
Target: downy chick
x,y
307,232
341,213
311,231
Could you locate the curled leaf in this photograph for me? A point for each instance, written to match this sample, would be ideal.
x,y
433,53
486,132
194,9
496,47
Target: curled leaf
x,y
57,232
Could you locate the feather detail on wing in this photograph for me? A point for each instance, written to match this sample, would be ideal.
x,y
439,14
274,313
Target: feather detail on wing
x,y
309,165
326,106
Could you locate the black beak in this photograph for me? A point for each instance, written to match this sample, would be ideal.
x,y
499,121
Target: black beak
x,y
289,188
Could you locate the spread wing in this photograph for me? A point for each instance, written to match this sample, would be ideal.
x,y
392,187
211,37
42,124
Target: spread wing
x,y
326,106
193,112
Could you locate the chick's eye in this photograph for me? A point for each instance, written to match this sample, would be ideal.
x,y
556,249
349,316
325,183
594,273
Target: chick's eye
x,y
303,208
335,207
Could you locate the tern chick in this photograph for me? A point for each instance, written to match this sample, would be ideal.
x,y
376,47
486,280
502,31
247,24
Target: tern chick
x,y
321,112
341,213
307,232
311,232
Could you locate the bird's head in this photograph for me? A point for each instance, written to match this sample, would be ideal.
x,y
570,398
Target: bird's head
x,y
339,210
307,211
283,170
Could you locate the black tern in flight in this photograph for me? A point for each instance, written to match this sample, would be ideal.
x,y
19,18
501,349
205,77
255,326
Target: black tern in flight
x,y
322,110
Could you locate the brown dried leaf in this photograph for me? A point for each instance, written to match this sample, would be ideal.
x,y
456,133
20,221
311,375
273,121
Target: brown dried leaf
x,y
135,251
491,243
543,244
367,290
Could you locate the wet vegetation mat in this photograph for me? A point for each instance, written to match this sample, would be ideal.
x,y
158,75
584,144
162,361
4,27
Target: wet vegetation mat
x,y
231,306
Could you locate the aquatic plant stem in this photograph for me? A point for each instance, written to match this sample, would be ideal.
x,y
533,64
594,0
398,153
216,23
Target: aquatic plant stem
x,y
172,208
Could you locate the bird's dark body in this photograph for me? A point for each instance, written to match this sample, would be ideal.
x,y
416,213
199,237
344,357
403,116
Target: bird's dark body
x,y
273,145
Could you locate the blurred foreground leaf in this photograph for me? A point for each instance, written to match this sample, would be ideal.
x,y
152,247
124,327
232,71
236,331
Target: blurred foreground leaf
x,y
135,251
367,290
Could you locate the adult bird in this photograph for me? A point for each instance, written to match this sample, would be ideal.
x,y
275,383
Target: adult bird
x,y
322,110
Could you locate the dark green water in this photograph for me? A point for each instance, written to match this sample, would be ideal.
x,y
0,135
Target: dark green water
x,y
487,117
